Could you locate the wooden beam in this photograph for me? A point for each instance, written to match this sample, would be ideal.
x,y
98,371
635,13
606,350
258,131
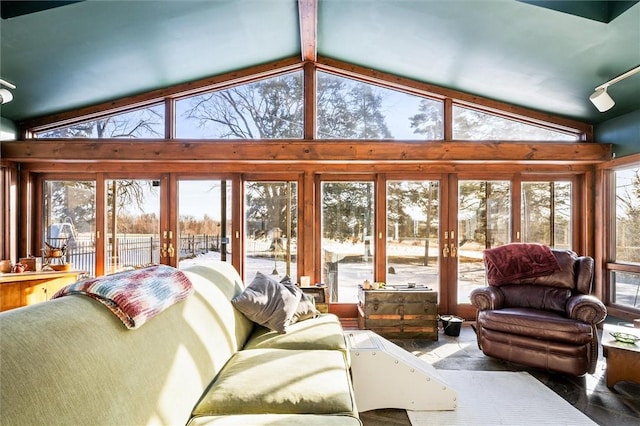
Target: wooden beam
x,y
308,13
325,151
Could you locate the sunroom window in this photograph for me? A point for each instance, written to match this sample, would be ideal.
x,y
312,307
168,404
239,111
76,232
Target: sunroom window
x,y
147,122
271,108
471,124
625,268
352,109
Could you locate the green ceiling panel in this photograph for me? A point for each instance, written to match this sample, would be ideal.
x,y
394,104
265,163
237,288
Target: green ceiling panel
x,y
98,50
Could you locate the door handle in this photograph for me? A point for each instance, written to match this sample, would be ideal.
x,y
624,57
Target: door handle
x,y
445,251
454,250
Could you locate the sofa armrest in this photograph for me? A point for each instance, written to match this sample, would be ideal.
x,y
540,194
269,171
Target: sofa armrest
x,y
586,308
486,298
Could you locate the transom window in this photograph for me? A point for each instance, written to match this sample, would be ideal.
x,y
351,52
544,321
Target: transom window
x,y
147,122
471,124
271,108
345,108
352,109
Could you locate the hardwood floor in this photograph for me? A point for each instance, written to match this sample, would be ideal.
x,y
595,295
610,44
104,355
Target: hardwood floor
x,y
619,406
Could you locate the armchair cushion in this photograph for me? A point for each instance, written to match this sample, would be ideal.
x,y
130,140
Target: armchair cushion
x,y
534,323
537,297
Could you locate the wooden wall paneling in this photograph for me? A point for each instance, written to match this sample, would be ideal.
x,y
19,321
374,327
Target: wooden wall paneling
x,y
309,101
448,119
169,218
317,231
212,169
448,195
380,229
169,118
516,208
602,228
237,214
24,230
262,151
101,223
308,223
38,214
10,210
308,17
586,183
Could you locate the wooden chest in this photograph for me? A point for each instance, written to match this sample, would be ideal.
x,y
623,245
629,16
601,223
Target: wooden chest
x,y
398,314
320,297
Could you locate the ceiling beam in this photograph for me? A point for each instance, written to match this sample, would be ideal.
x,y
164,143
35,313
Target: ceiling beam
x,y
308,11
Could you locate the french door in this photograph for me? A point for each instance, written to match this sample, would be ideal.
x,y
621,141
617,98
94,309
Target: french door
x,y
424,229
133,222
204,221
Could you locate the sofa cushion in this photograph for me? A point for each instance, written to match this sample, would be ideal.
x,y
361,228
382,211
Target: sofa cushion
x,y
268,302
323,332
280,381
535,323
276,419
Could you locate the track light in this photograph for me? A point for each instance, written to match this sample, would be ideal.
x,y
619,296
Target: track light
x,y
601,99
5,95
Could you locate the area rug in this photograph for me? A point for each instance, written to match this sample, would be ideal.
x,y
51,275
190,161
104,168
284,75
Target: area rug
x,y
501,398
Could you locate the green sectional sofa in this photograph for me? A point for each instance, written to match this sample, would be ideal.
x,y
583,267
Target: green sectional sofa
x,y
199,362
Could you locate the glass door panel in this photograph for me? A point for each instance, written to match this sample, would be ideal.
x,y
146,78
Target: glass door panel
x,y
271,229
204,221
412,233
484,221
625,284
347,243
69,222
133,224
546,213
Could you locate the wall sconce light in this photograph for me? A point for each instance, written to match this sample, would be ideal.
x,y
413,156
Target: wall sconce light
x,y
601,99
5,95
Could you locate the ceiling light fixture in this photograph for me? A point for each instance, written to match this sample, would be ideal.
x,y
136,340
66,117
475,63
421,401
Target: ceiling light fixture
x,y
6,95
601,99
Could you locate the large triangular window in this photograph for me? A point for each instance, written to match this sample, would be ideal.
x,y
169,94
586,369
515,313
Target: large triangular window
x,y
272,108
147,122
352,109
471,124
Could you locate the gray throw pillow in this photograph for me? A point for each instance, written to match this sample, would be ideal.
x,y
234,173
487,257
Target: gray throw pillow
x,y
268,303
306,307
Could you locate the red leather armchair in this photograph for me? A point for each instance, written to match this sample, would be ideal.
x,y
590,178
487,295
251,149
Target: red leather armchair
x,y
545,321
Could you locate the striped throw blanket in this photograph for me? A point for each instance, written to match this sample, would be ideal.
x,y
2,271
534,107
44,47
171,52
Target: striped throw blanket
x,y
135,296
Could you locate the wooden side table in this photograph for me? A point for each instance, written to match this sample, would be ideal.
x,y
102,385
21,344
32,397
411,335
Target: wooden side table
x,y
623,359
27,288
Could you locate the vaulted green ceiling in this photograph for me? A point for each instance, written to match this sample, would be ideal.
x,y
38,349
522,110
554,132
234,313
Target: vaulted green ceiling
x,y
547,59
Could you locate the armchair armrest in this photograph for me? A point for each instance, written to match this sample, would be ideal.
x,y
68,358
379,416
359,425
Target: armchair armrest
x,y
486,298
586,308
